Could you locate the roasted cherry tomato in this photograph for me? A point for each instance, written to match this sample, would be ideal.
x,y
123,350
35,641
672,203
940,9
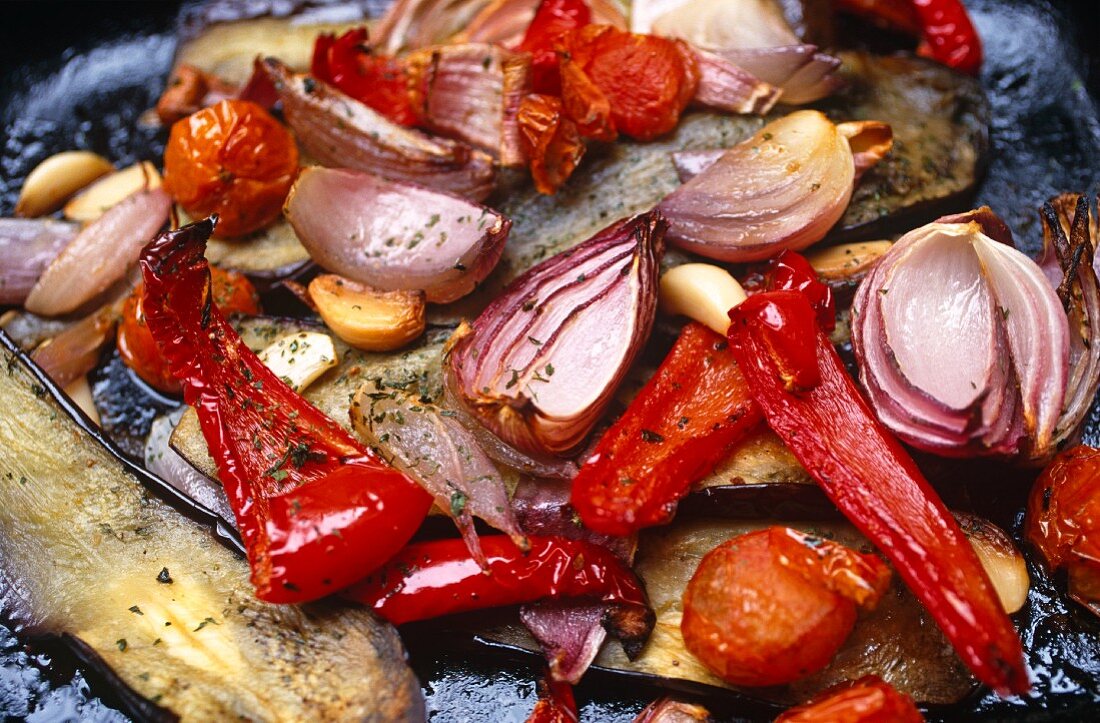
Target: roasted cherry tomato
x,y
232,292
550,141
647,80
378,81
1063,521
232,159
552,18
757,616
867,700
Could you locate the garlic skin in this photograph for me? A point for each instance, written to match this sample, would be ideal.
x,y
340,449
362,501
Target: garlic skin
x,y
702,292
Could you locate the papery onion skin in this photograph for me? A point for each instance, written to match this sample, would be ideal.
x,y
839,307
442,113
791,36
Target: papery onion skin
x,y
341,132
783,188
393,235
27,247
100,254
1016,343
541,363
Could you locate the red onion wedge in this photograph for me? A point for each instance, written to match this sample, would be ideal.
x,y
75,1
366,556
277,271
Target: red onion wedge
x,y
962,344
804,74
1069,232
341,132
27,246
413,24
100,254
392,235
75,351
717,23
725,86
428,444
783,188
471,92
540,365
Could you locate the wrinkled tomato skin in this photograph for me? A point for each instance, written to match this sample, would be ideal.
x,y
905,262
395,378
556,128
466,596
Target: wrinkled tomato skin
x,y
550,141
1063,520
232,159
552,19
754,622
867,700
232,292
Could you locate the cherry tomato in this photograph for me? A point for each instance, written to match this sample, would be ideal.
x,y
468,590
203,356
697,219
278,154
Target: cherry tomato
x,y
232,292
378,81
1063,521
867,700
550,140
552,18
648,81
756,616
232,159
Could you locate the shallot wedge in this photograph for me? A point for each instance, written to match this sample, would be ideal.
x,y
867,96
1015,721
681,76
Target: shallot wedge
x,y
100,254
393,235
428,444
471,92
27,246
341,132
540,365
783,188
725,86
804,74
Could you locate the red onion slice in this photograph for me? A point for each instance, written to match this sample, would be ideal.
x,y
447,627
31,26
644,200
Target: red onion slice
x,y
341,132
727,87
541,363
100,254
393,235
27,247
783,188
471,92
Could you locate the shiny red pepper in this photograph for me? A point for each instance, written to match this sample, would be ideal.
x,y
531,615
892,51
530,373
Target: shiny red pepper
x,y
316,510
790,271
873,481
429,579
947,33
380,82
556,703
683,423
552,18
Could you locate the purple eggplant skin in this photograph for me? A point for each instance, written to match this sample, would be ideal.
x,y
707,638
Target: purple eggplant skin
x,y
94,550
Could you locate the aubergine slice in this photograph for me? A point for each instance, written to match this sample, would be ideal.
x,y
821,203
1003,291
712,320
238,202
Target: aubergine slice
x,y
897,641
91,551
266,256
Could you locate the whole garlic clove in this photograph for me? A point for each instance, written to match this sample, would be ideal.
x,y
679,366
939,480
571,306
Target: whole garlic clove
x,y
367,318
702,292
57,178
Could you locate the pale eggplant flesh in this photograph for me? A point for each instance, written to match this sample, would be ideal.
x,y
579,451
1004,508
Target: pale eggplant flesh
x,y
91,551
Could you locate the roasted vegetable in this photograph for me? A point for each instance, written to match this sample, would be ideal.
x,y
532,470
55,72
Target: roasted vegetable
x,y
93,553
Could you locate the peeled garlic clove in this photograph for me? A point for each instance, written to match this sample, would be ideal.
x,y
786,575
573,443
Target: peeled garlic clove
x,y
367,318
81,393
300,358
847,262
1002,561
55,179
702,292
93,201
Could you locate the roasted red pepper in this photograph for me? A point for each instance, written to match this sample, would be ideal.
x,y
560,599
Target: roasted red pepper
x,y
683,423
316,510
947,33
790,271
380,82
556,703
874,482
552,18
440,577
867,700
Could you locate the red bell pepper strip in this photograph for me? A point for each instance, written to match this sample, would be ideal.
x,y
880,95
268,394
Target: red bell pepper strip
x,y
380,82
683,423
790,271
316,510
556,703
440,577
552,19
873,481
947,33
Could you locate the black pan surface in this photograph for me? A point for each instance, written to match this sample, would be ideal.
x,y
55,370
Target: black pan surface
x,y
79,75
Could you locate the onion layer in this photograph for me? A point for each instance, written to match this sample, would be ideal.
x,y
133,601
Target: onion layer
x,y
541,363
27,247
341,132
393,235
962,344
784,188
725,24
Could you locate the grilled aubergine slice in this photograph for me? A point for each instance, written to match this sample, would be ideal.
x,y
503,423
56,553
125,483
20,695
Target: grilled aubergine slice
x,y
89,550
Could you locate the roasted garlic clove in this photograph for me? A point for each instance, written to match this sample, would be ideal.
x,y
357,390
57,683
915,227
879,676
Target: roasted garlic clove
x,y
367,318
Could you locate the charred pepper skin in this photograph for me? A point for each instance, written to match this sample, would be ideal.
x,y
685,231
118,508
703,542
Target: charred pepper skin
x,y
317,511
873,481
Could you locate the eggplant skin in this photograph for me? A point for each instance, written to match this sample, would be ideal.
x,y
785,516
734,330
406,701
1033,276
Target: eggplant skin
x,y
84,536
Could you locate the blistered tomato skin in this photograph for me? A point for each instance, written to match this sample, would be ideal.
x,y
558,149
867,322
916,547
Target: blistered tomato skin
x,y
754,622
234,160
